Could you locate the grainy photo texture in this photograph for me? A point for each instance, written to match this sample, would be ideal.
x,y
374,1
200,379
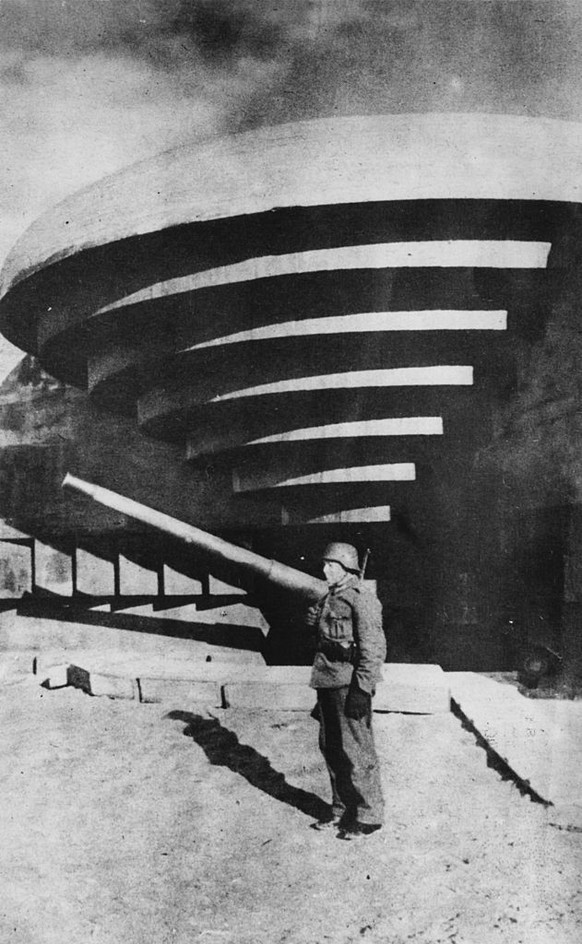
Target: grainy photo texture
x,y
290,471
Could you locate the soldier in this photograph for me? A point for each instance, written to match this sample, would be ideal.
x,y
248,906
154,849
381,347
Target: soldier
x,y
350,651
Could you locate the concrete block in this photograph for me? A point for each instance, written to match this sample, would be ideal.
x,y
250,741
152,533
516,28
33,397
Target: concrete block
x,y
227,656
58,677
114,686
95,575
97,683
418,689
270,695
180,692
53,569
539,739
15,570
79,678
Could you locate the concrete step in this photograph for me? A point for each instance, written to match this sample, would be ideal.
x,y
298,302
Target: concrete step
x,y
539,739
420,689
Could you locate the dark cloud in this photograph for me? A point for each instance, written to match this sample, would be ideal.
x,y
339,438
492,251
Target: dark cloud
x,y
65,28
327,56
69,28
512,57
76,27
222,31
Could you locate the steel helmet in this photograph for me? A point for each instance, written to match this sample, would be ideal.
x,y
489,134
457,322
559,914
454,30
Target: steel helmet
x,y
344,554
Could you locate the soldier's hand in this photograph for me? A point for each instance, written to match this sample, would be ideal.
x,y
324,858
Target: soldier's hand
x,y
312,615
358,703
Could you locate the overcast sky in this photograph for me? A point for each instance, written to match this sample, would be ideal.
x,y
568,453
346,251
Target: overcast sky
x,y
89,86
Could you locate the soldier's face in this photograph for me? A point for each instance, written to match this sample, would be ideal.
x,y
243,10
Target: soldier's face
x,y
333,572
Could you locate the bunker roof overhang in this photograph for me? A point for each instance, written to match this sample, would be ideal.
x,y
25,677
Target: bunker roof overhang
x,y
324,163
333,310
123,254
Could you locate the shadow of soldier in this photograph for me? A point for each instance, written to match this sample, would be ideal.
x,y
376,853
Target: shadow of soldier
x,y
223,749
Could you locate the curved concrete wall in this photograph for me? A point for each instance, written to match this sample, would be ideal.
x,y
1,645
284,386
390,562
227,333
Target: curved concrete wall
x,y
347,160
327,318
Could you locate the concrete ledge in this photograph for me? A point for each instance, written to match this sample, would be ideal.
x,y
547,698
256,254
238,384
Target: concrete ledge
x,y
113,686
77,678
540,740
59,677
94,683
157,691
418,689
269,695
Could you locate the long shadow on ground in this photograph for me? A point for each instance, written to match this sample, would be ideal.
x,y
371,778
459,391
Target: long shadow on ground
x,y
223,749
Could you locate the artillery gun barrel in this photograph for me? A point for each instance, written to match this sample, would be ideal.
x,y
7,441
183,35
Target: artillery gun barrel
x,y
282,575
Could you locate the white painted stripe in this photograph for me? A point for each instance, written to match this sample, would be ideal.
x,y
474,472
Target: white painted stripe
x,y
354,515
391,377
392,472
462,253
396,426
370,321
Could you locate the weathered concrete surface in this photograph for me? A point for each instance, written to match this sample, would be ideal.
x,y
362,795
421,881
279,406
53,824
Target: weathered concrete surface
x,y
54,571
415,689
113,686
47,429
15,569
161,691
539,739
117,316
267,695
58,642
345,160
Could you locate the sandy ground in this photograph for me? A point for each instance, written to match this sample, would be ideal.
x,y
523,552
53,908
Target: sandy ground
x,y
124,822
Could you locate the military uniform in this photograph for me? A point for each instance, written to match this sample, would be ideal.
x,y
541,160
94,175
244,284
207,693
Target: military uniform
x,y
350,651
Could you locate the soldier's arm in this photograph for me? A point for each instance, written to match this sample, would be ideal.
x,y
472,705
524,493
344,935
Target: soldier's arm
x,y
371,642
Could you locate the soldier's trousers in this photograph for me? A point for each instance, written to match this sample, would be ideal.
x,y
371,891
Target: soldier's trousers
x,y
350,754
